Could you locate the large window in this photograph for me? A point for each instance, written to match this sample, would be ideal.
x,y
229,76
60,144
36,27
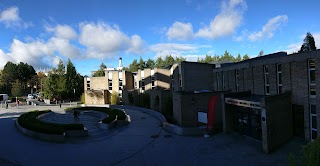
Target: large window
x,y
313,122
266,79
110,84
279,78
88,84
237,79
120,84
142,84
312,77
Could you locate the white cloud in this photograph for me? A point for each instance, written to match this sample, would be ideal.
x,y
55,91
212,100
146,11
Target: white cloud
x,y
63,31
175,49
226,22
10,17
268,30
180,31
103,40
31,53
4,58
64,47
137,45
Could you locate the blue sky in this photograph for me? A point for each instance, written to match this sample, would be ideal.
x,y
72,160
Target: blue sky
x,y
91,32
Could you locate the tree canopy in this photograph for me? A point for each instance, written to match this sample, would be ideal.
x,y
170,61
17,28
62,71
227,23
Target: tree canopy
x,y
308,43
100,72
159,63
225,57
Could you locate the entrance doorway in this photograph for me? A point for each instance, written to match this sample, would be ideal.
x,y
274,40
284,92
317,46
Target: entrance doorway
x,y
247,121
298,120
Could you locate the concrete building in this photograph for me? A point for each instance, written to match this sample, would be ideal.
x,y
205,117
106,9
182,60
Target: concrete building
x,y
191,76
269,77
98,89
148,79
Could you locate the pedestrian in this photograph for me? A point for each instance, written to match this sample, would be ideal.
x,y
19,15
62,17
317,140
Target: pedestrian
x,y
60,104
7,105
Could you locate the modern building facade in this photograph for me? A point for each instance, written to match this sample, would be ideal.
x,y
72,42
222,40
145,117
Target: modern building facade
x,y
275,75
149,79
98,90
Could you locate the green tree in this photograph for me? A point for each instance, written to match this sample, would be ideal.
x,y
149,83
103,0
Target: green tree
x,y
9,75
245,57
208,59
55,86
227,56
71,79
159,63
100,72
134,66
150,63
61,68
179,59
168,61
141,64
16,89
114,98
238,58
308,43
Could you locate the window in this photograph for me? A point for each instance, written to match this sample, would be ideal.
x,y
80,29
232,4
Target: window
x,y
312,77
172,82
266,79
237,80
120,84
88,84
313,122
218,79
223,83
142,84
152,82
279,79
110,84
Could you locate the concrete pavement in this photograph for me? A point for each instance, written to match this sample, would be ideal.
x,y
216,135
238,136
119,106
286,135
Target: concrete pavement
x,y
142,142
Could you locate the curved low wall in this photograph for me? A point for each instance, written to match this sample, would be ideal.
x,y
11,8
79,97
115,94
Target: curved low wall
x,y
42,136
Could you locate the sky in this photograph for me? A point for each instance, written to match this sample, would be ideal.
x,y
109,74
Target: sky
x,y
89,33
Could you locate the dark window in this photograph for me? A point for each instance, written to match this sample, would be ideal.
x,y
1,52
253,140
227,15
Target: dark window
x,y
312,76
313,109
313,134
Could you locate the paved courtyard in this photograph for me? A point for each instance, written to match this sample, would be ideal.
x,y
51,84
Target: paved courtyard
x,y
142,142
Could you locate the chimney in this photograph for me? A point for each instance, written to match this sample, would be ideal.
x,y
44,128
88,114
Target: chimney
x,y
120,62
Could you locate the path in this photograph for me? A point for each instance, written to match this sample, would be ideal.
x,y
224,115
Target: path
x,y
142,142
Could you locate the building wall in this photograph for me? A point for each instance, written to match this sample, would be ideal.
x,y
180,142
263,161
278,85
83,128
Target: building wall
x,y
196,76
96,96
294,69
279,121
187,105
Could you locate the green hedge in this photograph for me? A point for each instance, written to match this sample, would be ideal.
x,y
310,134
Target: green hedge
x,y
29,121
113,114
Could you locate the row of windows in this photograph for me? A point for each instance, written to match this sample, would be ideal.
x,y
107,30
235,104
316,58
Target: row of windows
x,y
266,79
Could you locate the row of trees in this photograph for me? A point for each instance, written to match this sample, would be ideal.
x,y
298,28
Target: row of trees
x,y
159,63
63,82
14,78
225,57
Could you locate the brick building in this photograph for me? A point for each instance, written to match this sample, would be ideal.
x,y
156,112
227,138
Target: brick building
x,y
270,76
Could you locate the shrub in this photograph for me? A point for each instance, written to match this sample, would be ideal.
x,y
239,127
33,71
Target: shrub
x,y
311,153
83,98
114,98
113,114
30,121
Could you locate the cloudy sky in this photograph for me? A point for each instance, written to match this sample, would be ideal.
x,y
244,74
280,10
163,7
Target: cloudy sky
x,y
91,32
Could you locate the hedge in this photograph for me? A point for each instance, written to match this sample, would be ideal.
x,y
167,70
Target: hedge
x,y
30,121
113,114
